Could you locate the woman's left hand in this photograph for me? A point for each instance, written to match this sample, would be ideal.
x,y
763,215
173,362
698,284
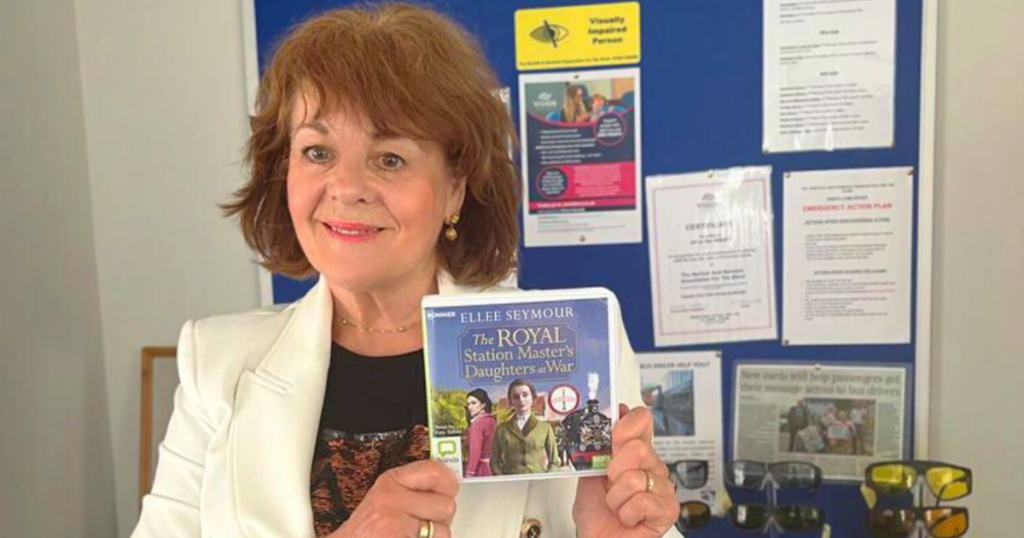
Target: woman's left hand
x,y
620,505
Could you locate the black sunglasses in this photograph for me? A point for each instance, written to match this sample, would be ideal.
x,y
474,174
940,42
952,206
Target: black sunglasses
x,y
940,522
755,475
693,515
789,518
691,474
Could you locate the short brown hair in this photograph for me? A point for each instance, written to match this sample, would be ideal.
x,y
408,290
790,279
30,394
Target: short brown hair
x,y
411,72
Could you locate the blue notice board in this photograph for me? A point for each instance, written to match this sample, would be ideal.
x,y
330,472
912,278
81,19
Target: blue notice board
x,y
701,72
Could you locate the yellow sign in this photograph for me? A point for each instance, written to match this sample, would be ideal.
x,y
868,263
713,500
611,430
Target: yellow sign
x,y
578,36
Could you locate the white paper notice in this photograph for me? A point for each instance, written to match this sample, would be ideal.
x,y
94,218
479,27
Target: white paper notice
x,y
684,393
581,157
846,266
712,275
829,74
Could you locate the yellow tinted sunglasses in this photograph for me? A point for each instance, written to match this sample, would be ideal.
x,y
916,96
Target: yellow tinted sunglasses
x,y
947,482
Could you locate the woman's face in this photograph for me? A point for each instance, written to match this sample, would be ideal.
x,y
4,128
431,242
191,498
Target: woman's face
x,y
367,209
522,398
474,406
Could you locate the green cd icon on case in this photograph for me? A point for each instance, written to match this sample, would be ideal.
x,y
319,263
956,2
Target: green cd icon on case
x,y
447,447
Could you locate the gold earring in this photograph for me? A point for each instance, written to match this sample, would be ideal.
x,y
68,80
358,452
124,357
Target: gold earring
x,y
451,233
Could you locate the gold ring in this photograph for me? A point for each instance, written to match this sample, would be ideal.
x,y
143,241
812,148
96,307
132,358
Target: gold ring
x,y
426,529
650,482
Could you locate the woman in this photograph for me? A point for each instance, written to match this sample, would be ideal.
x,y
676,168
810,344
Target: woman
x,y
841,435
575,108
481,432
524,443
378,161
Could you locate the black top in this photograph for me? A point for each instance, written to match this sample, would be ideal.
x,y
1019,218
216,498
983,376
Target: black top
x,y
374,418
374,394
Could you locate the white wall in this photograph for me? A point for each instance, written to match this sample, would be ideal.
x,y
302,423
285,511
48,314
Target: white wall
x,y
165,116
979,262
55,458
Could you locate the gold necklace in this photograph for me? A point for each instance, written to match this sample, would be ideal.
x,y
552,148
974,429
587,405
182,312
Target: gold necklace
x,y
396,330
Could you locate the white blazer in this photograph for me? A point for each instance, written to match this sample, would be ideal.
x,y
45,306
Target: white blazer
x,y
238,453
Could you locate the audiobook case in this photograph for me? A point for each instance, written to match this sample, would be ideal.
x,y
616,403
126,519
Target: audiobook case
x,y
520,385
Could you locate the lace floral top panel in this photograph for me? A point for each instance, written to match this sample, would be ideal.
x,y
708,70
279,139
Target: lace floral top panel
x,y
374,419
347,465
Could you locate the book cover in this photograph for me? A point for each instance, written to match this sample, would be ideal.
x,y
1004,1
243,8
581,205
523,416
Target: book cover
x,y
520,385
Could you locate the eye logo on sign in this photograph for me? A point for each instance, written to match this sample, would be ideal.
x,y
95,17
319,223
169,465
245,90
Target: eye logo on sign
x,y
550,33
708,202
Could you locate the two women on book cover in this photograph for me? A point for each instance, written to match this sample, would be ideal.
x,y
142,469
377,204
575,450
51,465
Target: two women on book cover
x,y
525,443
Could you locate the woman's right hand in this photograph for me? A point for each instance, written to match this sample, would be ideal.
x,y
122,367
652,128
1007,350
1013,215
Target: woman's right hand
x,y
401,499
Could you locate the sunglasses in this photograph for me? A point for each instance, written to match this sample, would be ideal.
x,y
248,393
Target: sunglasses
x,y
941,522
789,518
947,482
691,474
754,475
693,515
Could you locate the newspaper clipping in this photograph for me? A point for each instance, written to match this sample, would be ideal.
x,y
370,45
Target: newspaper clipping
x,y
840,418
684,393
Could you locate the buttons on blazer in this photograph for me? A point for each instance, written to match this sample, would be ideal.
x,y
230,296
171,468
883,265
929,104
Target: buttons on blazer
x,y
531,528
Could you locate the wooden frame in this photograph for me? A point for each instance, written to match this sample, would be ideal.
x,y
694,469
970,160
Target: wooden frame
x,y
149,356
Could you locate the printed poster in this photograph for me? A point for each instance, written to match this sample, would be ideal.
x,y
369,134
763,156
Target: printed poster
x,y
684,393
581,157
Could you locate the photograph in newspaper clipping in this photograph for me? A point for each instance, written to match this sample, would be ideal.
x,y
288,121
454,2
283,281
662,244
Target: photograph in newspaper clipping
x,y
684,393
840,418
519,385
